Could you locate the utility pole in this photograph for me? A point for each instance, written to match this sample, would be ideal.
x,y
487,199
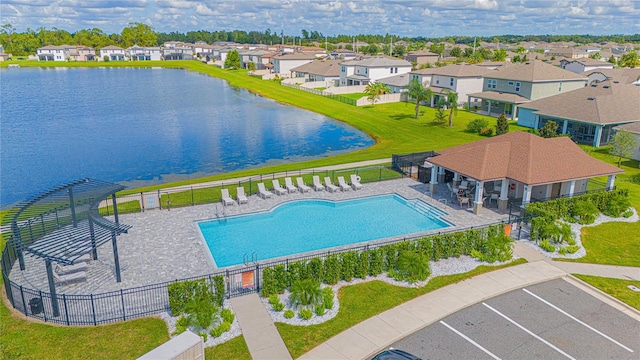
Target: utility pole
x,y
282,37
391,46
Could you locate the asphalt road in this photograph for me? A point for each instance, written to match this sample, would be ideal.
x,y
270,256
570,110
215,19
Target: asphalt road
x,y
552,320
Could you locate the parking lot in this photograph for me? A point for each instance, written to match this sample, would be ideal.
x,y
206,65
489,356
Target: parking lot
x,y
552,320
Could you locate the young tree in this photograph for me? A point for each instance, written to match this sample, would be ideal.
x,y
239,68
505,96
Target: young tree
x,y
502,125
549,130
251,66
629,60
623,143
612,60
456,52
440,116
233,60
419,93
452,103
499,55
375,90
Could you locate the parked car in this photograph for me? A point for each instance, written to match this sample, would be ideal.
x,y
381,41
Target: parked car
x,y
394,354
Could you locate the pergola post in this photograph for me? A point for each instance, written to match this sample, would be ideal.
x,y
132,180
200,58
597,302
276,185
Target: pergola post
x,y
94,246
526,194
115,208
433,184
115,255
477,203
441,174
52,288
72,206
503,200
565,125
611,180
572,188
597,136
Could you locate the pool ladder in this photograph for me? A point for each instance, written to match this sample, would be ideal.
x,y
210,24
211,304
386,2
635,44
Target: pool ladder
x,y
254,258
220,215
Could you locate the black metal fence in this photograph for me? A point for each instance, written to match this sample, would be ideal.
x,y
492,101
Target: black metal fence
x,y
336,97
413,165
125,304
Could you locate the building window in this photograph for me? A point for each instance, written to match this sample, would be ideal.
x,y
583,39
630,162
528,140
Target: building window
x,y
366,71
492,83
343,69
518,86
451,82
559,87
437,81
510,83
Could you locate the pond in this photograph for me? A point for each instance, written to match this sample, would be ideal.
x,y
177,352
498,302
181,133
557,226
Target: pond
x,y
143,126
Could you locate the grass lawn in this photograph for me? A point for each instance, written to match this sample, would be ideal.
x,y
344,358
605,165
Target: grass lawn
x,y
615,287
380,296
614,243
235,348
354,96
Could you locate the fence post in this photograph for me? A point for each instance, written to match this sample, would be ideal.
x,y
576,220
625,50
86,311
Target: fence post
x,y
66,310
380,175
142,200
24,305
228,282
124,313
44,309
258,279
93,309
192,195
249,186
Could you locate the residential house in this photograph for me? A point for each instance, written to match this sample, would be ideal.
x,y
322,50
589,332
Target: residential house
x,y
252,56
569,53
621,75
343,54
579,66
136,53
396,83
463,79
634,129
514,84
587,114
423,75
421,57
204,51
52,53
319,70
368,70
175,50
113,53
518,167
283,63
4,56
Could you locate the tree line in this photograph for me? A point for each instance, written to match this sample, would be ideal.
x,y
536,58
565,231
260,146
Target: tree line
x,y
27,42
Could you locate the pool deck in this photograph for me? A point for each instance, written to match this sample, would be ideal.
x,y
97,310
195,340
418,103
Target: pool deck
x,y
166,245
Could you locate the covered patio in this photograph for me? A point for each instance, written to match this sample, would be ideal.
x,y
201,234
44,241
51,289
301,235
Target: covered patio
x,y
495,103
517,167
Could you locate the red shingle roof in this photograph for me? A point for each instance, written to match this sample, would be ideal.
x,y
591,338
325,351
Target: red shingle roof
x,y
523,157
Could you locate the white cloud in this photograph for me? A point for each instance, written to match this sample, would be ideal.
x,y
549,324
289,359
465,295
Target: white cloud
x,y
485,4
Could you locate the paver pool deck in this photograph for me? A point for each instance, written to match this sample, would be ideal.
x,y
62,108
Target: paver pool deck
x,y
165,245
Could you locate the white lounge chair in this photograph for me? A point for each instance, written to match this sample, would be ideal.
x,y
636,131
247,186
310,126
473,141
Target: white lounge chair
x,y
263,192
317,185
288,184
355,182
464,184
279,190
242,197
226,199
302,186
343,184
329,185
71,278
70,269
86,258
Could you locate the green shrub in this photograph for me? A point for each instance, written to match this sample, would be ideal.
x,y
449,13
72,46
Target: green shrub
x,y
182,324
376,262
220,329
274,299
495,247
278,307
547,246
305,314
585,211
201,311
315,269
227,315
319,309
203,334
305,293
280,276
182,292
347,265
289,314
332,270
627,214
297,271
562,251
362,265
269,284
486,132
572,249
218,294
413,267
476,125
327,298
617,206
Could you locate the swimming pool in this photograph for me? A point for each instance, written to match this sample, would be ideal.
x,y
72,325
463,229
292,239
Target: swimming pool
x,y
308,225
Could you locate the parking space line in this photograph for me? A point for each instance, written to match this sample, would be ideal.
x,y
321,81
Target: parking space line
x,y
578,321
529,332
470,340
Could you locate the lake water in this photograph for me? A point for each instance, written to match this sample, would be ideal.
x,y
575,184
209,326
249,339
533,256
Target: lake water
x,y
146,126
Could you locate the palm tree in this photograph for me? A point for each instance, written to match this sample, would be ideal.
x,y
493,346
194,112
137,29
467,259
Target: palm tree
x,y
418,92
452,103
374,90
305,293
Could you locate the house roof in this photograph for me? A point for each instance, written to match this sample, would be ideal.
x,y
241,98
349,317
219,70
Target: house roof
x,y
425,71
421,53
357,77
112,47
623,76
632,128
463,70
326,68
400,80
500,96
378,61
295,56
523,157
603,103
589,62
534,71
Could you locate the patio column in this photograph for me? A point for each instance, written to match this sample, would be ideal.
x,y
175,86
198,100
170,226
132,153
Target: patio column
x,y
611,181
526,195
564,127
469,103
441,174
503,200
513,112
433,184
477,202
456,179
596,137
571,188
536,122
489,107
547,192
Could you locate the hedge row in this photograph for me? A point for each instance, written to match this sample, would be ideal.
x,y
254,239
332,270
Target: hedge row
x,y
613,203
488,244
182,292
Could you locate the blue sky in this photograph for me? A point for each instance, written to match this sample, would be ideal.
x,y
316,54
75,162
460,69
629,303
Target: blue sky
x,y
430,18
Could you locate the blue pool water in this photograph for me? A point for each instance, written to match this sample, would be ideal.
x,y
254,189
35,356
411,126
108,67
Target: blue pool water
x,y
309,225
